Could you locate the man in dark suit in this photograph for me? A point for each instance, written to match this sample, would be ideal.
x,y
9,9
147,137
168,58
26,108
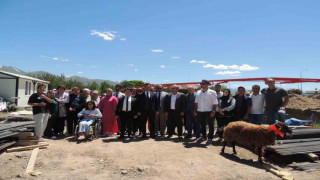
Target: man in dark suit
x,y
174,108
77,102
126,112
161,119
191,122
147,109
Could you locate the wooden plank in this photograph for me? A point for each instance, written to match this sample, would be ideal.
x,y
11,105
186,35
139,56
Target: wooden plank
x,y
298,150
279,142
294,145
312,156
7,144
23,134
27,147
32,160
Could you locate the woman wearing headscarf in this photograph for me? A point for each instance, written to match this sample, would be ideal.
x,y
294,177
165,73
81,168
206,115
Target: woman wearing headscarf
x,y
225,108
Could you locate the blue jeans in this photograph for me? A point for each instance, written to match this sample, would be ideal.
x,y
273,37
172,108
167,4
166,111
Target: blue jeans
x,y
272,114
84,125
255,118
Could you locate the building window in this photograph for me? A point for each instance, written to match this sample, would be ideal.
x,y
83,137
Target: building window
x,y
29,88
26,88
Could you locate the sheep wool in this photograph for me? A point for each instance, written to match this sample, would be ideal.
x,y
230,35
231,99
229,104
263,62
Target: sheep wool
x,y
248,134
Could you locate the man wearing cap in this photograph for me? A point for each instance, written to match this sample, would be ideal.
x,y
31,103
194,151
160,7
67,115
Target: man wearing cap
x,y
205,109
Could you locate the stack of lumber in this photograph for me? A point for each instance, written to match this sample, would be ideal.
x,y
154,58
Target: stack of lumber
x,y
302,146
9,129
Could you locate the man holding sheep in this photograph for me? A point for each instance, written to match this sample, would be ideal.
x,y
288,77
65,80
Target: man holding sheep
x,y
205,109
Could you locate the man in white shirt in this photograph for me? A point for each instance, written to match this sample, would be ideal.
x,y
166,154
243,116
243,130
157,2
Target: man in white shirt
x,y
205,109
256,105
126,111
174,108
217,88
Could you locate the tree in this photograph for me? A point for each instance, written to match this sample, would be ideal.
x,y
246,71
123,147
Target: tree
x,y
105,85
133,83
93,86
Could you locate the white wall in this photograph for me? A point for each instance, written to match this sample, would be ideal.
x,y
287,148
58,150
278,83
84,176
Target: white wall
x,y
23,98
8,89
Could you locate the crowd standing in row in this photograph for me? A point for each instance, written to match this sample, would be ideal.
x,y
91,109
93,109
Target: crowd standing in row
x,y
129,112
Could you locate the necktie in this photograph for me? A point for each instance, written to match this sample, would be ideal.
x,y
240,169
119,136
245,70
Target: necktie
x,y
116,94
148,95
127,105
159,95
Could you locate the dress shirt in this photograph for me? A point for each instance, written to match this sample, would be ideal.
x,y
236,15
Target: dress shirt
x,y
124,107
173,101
257,103
205,100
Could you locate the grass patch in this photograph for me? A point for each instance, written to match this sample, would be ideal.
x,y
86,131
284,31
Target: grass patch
x,y
316,125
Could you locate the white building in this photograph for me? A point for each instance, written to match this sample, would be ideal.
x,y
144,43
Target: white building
x,y
17,88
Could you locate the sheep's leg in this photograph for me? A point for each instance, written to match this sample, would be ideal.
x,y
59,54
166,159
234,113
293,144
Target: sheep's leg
x,y
234,147
260,153
224,146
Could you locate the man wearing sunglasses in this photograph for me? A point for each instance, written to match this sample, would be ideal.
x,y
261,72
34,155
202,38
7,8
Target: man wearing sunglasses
x,y
205,109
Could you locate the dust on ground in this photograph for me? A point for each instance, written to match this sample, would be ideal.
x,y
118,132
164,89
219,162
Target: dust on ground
x,y
110,158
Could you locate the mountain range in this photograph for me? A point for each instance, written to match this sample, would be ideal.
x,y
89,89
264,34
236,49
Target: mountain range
x,y
81,79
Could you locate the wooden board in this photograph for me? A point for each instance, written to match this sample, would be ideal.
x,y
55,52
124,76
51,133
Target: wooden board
x,y
27,147
32,161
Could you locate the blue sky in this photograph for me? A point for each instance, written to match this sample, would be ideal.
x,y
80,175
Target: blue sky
x,y
163,41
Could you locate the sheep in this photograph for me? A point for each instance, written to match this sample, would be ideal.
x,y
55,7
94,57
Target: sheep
x,y
251,135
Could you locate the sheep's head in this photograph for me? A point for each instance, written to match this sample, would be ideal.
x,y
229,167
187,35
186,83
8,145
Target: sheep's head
x,y
283,127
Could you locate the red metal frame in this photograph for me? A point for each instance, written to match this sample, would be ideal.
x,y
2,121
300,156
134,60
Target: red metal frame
x,y
277,79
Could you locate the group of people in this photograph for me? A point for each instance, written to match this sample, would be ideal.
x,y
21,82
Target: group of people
x,y
132,111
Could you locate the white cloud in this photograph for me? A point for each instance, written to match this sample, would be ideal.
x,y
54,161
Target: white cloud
x,y
123,39
228,73
157,50
106,35
130,65
80,72
55,58
162,66
196,61
135,70
175,57
244,67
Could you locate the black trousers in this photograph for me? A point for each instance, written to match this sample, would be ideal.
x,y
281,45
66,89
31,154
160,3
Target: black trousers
x,y
205,119
48,132
126,119
148,113
59,125
135,125
222,122
72,121
174,120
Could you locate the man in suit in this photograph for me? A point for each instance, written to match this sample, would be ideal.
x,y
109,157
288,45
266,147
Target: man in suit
x,y
126,112
118,95
161,119
77,102
191,122
174,107
147,109
117,92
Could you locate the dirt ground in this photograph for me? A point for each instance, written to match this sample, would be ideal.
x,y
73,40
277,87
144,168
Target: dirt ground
x,y
304,102
110,158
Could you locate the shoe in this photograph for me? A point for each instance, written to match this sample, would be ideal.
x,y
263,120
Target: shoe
x,y
180,137
53,137
169,136
144,136
188,136
204,138
199,139
81,138
220,140
121,137
209,142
